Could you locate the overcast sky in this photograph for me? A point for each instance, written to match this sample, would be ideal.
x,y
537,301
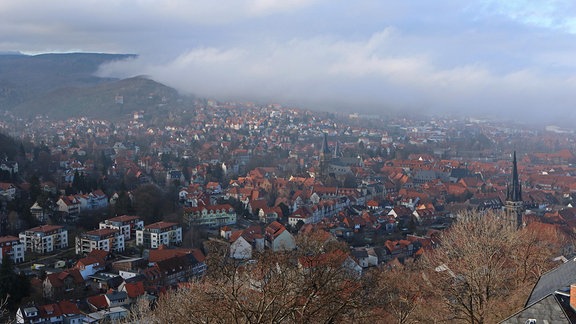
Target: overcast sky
x,y
483,57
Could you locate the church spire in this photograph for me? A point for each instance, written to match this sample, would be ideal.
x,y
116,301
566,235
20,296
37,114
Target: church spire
x,y
515,191
325,150
514,207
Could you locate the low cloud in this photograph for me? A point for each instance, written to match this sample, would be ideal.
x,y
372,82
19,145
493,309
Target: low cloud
x,y
511,59
357,75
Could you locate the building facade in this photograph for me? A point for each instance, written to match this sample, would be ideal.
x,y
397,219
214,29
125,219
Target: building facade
x,y
11,247
44,239
213,216
106,239
127,225
160,233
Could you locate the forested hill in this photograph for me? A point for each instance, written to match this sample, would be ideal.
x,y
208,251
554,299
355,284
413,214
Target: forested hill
x,y
64,85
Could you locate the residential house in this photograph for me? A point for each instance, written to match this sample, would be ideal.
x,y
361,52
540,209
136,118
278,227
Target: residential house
x,y
66,283
7,190
94,262
106,239
277,238
10,246
195,258
301,214
243,242
269,214
127,225
68,207
108,315
160,233
117,298
134,290
363,258
45,239
40,213
61,312
104,281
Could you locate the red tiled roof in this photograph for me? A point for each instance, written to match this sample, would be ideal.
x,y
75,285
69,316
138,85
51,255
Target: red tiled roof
x,y
123,218
8,238
160,225
45,228
135,289
98,301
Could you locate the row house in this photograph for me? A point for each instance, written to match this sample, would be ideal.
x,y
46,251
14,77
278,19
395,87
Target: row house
x,y
44,239
106,239
161,233
179,268
11,247
126,224
213,216
195,256
61,312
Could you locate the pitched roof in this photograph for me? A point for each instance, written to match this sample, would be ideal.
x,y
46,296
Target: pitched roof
x,y
560,277
98,301
134,289
553,308
156,255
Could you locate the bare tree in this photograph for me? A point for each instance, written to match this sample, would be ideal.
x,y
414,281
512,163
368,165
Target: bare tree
x,y
271,288
480,264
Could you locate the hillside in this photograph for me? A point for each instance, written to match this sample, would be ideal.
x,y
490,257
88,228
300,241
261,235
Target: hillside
x,y
64,85
110,99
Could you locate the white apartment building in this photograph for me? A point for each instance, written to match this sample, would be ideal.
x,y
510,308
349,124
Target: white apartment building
x,y
106,239
160,233
44,239
127,225
11,247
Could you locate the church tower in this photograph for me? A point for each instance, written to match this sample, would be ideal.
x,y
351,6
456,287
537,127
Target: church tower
x,y
324,157
514,206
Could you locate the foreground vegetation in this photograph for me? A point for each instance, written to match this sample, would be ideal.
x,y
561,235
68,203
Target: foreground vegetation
x,y
482,272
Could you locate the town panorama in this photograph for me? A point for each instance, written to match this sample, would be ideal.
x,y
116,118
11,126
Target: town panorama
x,y
98,214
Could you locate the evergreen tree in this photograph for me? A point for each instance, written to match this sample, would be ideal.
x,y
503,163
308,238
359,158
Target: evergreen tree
x,y
15,286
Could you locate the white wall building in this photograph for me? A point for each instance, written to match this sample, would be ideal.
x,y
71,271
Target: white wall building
x,y
160,233
11,247
105,239
127,225
45,239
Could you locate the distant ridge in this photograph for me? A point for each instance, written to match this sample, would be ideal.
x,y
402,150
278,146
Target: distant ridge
x,y
111,99
25,79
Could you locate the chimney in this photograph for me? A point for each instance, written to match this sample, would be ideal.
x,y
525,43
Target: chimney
x,y
573,296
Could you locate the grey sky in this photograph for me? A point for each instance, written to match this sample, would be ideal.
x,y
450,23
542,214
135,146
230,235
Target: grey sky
x,y
484,57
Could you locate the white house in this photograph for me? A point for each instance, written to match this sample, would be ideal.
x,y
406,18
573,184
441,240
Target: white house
x,y
278,238
243,242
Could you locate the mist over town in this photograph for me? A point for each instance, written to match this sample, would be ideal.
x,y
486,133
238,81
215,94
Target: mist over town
x,y
301,161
